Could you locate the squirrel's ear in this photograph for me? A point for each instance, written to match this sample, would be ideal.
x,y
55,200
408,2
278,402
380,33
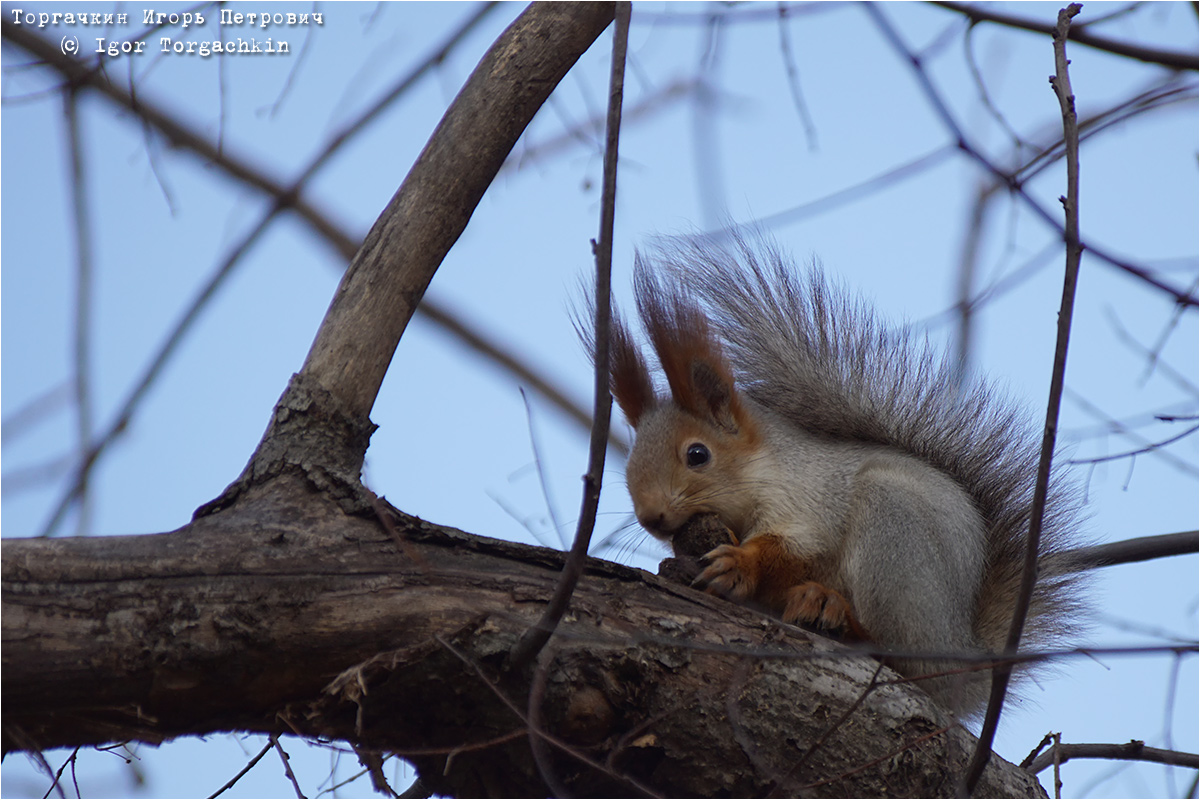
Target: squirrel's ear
x,y
629,378
713,387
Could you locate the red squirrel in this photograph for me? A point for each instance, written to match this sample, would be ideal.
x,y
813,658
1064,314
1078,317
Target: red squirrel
x,y
866,489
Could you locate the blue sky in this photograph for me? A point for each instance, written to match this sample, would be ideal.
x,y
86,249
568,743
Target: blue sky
x,y
454,442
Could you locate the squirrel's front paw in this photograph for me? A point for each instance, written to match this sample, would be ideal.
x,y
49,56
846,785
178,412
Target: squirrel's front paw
x,y
730,573
814,604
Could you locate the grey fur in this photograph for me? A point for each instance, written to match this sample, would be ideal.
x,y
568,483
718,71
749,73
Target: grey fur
x,y
924,482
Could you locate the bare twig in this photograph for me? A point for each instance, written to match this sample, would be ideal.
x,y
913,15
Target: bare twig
x,y
524,373
537,744
287,767
1047,739
57,784
841,197
1149,448
540,733
1130,551
21,421
1153,360
1131,751
543,469
83,302
706,154
161,358
960,141
793,79
820,741
180,135
1126,429
1167,58
536,637
1002,672
373,760
1055,754
266,749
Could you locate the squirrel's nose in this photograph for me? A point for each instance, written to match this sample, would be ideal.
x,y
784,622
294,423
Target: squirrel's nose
x,y
651,522
656,523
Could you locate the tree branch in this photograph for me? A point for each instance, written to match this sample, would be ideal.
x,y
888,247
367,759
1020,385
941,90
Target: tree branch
x,y
284,615
341,376
1003,671
1083,36
388,277
536,637
1131,751
1130,551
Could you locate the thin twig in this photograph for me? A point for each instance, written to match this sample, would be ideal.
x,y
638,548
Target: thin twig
x,y
1165,57
287,767
536,637
266,749
960,141
21,421
160,360
793,79
1124,428
1056,754
1131,751
579,756
829,731
1128,551
83,302
1149,448
245,170
1047,739
1003,671
57,784
538,745
543,471
373,761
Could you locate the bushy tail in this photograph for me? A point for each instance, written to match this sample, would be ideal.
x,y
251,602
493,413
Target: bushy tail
x,y
820,357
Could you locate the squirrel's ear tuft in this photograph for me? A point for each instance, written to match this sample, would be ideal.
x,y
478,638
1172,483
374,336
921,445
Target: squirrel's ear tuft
x,y
690,354
629,378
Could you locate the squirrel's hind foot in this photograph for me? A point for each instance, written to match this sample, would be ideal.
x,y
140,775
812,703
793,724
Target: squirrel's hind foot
x,y
811,604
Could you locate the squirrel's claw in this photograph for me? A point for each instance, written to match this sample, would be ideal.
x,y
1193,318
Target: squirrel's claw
x,y
726,574
812,603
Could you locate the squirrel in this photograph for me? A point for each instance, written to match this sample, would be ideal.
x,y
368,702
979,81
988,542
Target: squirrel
x,y
866,490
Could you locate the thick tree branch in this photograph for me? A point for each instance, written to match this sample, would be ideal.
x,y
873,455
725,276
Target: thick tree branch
x,y
388,277
282,614
379,293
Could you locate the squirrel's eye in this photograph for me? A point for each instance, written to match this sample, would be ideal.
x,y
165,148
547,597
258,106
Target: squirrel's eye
x,y
697,455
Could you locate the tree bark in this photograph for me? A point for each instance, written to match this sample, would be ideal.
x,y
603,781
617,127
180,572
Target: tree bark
x,y
284,614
